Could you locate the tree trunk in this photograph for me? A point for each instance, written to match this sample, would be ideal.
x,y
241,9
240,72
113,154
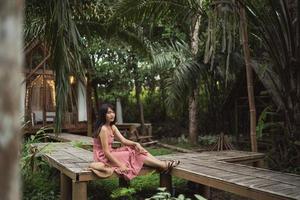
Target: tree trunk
x,y
162,99
249,72
10,76
193,125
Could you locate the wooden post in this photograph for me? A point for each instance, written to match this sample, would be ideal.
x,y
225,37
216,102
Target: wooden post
x,y
65,187
89,106
123,182
79,190
260,164
236,121
44,89
204,191
166,181
150,130
249,73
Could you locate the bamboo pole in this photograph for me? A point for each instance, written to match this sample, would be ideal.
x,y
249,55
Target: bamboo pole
x,y
249,73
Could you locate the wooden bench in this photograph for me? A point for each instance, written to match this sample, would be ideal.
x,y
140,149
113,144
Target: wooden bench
x,y
127,126
219,170
130,131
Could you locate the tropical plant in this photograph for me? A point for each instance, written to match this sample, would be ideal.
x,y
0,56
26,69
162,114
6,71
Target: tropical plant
x,y
185,13
162,194
264,122
30,153
52,23
35,172
279,32
123,193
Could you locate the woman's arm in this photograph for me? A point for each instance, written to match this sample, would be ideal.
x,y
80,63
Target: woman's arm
x,y
127,142
104,142
121,138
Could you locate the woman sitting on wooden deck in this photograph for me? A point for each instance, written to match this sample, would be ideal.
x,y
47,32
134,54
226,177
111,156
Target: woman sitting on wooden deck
x,y
126,161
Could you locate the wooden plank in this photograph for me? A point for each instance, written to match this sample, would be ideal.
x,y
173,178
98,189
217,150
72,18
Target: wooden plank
x,y
226,186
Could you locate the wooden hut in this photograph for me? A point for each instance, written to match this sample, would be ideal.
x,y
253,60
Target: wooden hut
x,y
38,94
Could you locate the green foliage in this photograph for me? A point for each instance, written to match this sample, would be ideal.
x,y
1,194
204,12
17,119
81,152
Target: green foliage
x,y
186,70
53,23
79,144
159,151
41,185
38,179
279,71
123,193
28,153
162,194
264,123
208,139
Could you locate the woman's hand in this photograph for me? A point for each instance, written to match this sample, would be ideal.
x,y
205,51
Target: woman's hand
x,y
123,169
139,148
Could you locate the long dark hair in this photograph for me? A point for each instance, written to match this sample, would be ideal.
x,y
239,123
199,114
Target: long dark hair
x,y
102,118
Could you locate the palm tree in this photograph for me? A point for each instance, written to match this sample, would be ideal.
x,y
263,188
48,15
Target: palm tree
x,y
180,11
11,66
52,22
278,29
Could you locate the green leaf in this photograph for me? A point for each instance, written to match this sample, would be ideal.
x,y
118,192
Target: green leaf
x,y
199,197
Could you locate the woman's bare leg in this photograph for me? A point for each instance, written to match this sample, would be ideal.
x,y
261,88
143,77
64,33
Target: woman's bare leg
x,y
154,162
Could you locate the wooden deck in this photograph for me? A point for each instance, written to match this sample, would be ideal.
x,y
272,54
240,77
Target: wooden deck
x,y
84,140
220,170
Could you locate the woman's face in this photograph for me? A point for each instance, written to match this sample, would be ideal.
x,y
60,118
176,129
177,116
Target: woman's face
x,y
110,115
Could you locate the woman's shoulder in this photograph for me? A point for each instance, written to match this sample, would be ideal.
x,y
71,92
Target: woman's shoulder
x,y
102,129
107,130
114,128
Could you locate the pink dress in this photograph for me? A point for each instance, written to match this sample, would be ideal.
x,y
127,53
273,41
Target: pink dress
x,y
127,154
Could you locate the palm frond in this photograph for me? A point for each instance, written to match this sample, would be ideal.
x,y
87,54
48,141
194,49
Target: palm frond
x,y
65,43
279,35
155,10
186,74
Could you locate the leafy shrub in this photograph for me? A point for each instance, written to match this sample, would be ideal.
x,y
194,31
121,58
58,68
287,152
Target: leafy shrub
x,y
40,182
162,194
123,193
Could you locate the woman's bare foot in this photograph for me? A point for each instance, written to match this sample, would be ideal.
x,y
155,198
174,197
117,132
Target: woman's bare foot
x,y
101,170
169,165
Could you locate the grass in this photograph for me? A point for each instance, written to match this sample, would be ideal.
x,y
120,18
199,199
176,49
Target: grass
x,y
156,151
178,142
